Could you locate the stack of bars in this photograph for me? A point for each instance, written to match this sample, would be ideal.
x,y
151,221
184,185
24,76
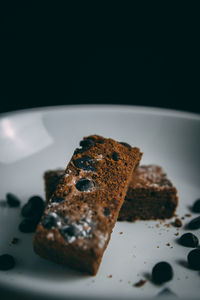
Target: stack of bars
x,y
102,183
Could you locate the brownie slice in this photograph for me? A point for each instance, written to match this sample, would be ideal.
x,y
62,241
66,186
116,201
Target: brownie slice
x,y
150,194
80,215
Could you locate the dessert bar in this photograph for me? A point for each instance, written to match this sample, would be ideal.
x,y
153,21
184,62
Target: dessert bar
x,y
82,211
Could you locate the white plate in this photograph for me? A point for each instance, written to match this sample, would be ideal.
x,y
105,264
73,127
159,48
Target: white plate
x,y
35,140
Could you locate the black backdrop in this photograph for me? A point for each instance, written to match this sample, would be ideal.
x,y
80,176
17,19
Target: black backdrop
x,y
56,54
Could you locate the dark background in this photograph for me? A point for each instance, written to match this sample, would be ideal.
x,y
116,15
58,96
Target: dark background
x,y
56,54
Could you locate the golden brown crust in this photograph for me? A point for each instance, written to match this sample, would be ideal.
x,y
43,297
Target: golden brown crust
x,y
86,204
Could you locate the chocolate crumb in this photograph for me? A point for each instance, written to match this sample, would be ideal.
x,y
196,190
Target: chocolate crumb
x,y
188,215
121,232
176,234
167,225
177,222
168,244
110,276
140,283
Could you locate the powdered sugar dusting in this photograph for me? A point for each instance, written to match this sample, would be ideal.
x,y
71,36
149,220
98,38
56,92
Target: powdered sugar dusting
x,y
153,176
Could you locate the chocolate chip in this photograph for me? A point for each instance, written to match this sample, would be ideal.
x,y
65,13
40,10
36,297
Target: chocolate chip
x,y
107,212
57,199
194,259
196,206
162,272
87,143
28,225
189,240
12,200
195,223
86,163
115,156
125,144
7,262
49,221
69,231
79,150
84,184
34,206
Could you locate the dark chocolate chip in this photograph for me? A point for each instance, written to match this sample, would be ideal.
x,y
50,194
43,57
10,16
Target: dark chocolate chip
x,y
34,206
107,212
86,163
7,262
70,231
87,143
194,259
49,221
28,225
84,184
125,144
57,199
196,206
79,150
115,156
195,223
189,240
12,200
162,272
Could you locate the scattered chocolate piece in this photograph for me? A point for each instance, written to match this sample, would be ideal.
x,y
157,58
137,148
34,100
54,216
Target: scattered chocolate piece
x,y
196,206
12,200
28,225
189,240
194,259
110,276
34,207
162,272
140,283
177,222
84,185
15,241
7,262
194,223
168,244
